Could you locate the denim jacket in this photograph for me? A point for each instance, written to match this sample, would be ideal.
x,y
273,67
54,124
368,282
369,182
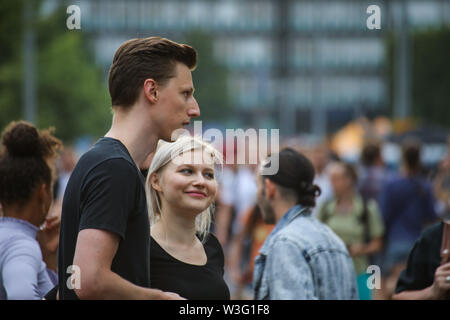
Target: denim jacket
x,y
303,259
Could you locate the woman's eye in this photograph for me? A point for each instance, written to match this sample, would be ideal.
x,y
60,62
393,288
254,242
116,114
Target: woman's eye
x,y
187,171
209,175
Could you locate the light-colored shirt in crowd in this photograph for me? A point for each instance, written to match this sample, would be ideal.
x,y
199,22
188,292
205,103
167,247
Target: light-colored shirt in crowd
x,y
324,183
23,273
303,259
350,228
238,189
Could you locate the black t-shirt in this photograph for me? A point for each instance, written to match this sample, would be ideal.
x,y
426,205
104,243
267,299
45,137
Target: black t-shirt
x,y
190,281
423,261
106,192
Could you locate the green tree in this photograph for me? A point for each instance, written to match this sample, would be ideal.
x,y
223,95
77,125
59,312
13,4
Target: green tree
x,y
210,79
70,92
430,75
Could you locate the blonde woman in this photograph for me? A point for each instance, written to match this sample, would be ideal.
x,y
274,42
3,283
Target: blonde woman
x,y
185,258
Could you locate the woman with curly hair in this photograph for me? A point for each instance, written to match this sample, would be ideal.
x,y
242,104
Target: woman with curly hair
x,y
26,193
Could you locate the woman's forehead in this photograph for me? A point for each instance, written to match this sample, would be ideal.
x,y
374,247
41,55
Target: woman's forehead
x,y
197,157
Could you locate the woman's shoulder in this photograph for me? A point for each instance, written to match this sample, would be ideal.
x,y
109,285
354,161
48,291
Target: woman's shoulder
x,y
209,240
213,248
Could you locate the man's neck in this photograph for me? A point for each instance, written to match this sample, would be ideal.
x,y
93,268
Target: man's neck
x,y
138,141
281,208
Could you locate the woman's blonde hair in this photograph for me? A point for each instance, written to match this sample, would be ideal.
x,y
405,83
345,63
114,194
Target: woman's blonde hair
x,y
166,152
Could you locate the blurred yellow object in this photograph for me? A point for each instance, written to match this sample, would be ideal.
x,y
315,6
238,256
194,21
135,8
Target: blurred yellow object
x,y
404,125
348,141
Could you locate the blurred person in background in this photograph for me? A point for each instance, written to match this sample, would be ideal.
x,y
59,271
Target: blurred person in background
x,y
237,194
372,173
301,258
320,158
356,221
245,249
441,185
181,186
28,235
427,273
66,164
407,205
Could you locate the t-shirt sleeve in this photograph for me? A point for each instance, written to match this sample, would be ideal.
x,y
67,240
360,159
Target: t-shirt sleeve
x,y
376,223
414,277
430,214
109,197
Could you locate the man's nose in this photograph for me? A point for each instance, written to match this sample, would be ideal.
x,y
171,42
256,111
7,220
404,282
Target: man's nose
x,y
194,109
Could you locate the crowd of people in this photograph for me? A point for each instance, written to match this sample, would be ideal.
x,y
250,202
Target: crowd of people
x,y
378,212
145,214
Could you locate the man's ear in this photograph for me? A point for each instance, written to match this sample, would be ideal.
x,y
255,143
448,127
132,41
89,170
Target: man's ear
x,y
151,90
270,188
155,181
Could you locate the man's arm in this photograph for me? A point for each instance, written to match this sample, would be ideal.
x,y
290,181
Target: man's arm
x,y
438,290
94,254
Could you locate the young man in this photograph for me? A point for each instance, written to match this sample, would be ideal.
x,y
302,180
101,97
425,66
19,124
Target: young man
x,y
105,241
302,258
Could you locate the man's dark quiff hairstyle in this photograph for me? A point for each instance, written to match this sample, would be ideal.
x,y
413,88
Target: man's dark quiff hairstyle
x,y
24,153
145,58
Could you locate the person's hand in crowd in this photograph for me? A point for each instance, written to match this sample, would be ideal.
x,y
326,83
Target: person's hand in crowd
x,y
48,238
357,249
441,284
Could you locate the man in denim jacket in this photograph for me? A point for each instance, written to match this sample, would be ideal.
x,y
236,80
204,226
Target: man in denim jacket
x,y
302,258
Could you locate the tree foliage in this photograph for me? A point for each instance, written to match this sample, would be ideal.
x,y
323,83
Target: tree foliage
x,y
70,92
210,79
430,75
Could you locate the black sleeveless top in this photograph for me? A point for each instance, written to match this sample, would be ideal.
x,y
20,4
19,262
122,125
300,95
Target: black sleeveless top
x,y
190,281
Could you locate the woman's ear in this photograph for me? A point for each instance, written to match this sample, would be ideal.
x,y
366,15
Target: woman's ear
x,y
155,181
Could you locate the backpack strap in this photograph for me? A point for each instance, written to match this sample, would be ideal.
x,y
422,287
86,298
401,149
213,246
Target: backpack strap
x,y
365,221
445,246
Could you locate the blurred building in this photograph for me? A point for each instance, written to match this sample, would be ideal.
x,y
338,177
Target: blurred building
x,y
305,64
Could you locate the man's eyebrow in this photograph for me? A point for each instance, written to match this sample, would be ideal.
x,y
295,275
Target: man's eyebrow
x,y
190,89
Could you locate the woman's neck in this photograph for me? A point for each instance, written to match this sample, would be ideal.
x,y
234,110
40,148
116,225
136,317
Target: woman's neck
x,y
23,212
345,200
175,228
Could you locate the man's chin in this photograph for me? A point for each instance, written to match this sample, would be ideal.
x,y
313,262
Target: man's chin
x,y
176,134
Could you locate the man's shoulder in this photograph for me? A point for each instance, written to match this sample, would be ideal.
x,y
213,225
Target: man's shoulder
x,y
107,155
105,149
432,234
310,235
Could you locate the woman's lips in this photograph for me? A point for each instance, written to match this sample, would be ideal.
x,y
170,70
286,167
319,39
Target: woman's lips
x,y
196,194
